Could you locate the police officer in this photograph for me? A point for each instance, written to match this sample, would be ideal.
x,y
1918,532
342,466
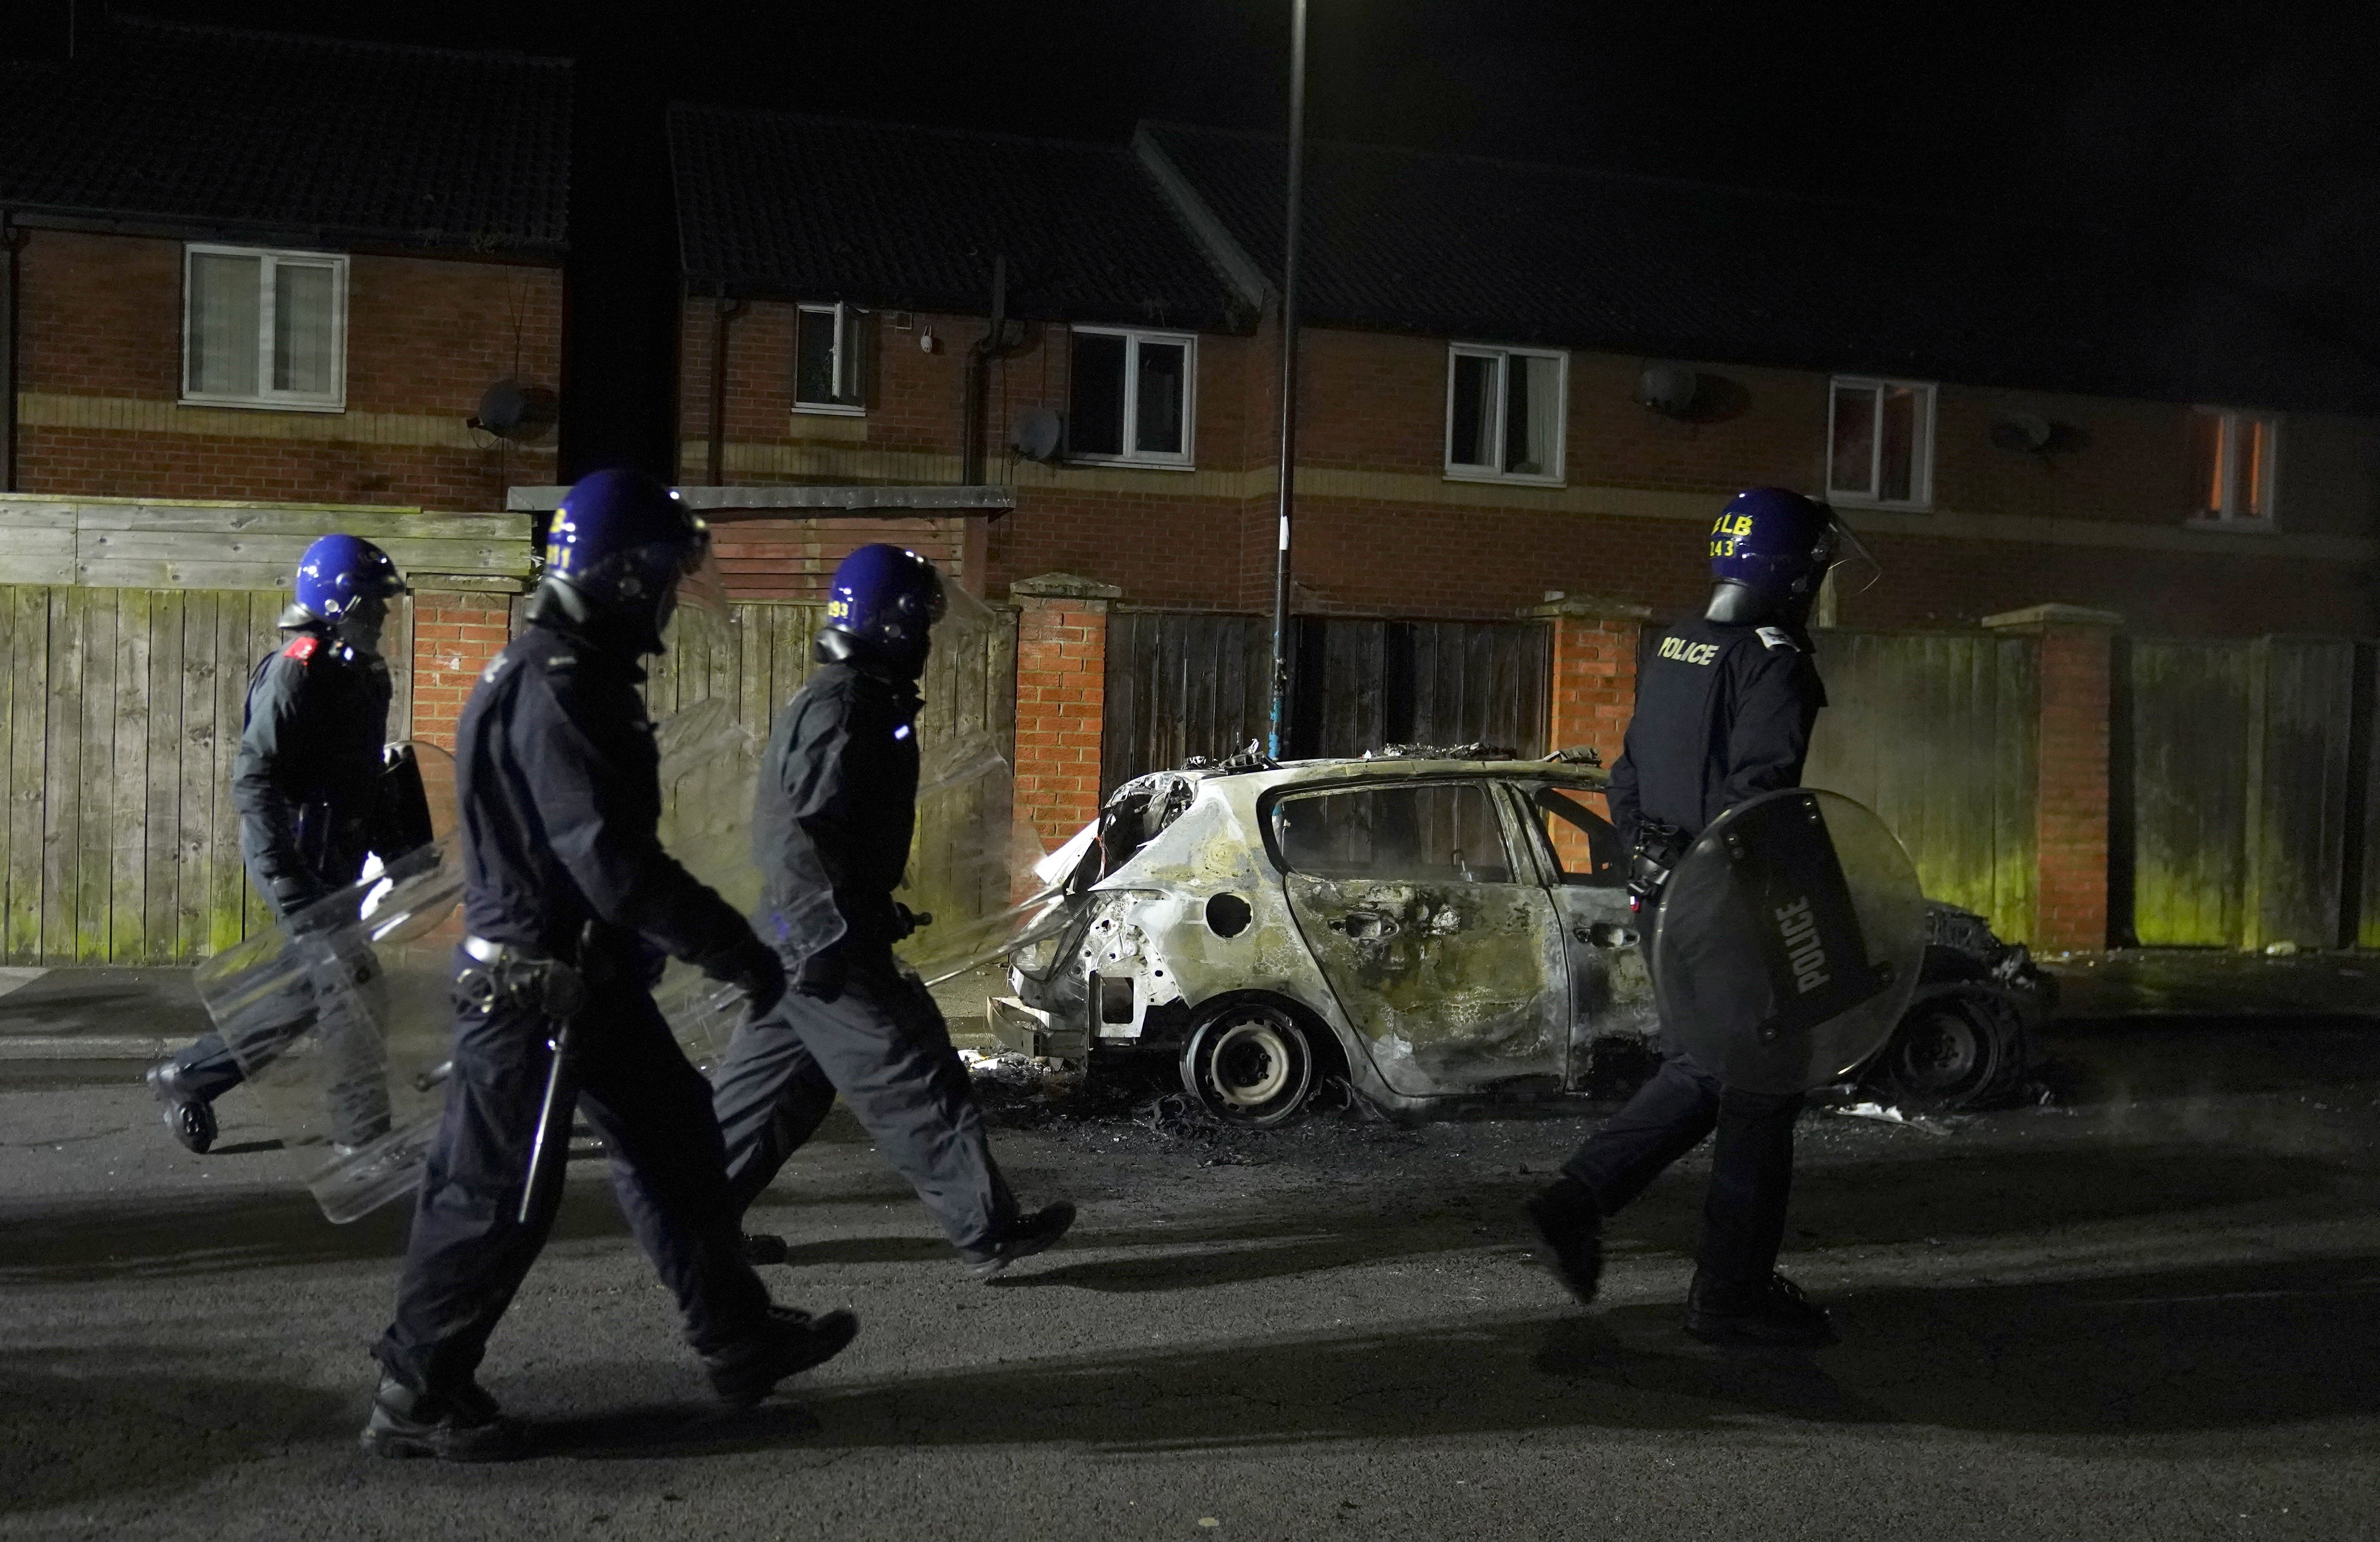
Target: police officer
x,y
1724,709
570,903
308,782
830,828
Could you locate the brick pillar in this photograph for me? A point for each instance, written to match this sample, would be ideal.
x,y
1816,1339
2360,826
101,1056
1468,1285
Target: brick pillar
x,y
1592,686
454,635
1062,684
2072,794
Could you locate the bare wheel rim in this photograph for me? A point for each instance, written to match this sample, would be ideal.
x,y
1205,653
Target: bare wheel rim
x,y
1943,1051
1253,1062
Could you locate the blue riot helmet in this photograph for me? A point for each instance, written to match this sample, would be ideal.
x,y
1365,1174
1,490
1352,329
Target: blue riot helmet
x,y
1775,542
881,610
345,583
615,553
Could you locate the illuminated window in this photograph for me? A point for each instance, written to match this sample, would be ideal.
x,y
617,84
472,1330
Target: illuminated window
x,y
830,360
1504,414
1130,396
264,328
2231,466
1880,442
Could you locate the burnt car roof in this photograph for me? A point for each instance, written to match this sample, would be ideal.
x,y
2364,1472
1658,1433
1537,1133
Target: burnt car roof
x,y
1292,774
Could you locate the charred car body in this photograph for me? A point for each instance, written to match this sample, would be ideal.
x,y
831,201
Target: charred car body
x,y
1428,929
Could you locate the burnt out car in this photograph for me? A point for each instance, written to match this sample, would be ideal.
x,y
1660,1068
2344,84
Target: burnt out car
x,y
1428,929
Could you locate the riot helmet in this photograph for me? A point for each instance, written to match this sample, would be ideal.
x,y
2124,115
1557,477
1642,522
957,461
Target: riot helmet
x,y
616,554
1770,549
881,610
344,585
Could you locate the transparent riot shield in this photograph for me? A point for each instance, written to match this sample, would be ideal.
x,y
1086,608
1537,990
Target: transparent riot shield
x,y
1787,942
339,1018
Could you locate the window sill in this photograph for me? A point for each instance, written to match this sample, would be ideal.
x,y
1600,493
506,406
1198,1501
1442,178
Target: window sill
x,y
1507,479
828,409
2232,527
1128,463
252,403
1852,501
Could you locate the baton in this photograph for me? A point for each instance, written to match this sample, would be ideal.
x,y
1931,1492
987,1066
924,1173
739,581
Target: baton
x,y
552,1107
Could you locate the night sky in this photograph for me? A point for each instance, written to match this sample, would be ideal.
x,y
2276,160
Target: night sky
x,y
2248,135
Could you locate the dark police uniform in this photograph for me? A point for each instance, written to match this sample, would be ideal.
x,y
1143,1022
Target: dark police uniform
x,y
307,782
556,778
832,824
1723,713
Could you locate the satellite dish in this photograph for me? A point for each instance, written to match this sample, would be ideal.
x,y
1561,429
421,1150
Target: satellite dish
x,y
1038,434
2028,432
1669,389
511,410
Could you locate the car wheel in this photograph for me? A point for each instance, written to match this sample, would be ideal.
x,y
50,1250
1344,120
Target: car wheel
x,y
1954,1049
1250,1064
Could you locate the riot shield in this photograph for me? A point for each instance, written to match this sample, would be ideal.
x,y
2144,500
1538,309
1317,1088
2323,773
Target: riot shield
x,y
338,1015
1788,941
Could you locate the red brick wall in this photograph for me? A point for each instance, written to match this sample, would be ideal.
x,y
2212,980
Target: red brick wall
x,y
454,638
1061,646
793,559
425,337
1592,692
2072,795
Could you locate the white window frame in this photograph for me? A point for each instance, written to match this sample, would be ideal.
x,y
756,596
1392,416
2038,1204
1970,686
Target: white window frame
x,y
267,398
1133,455
2228,420
1921,480
842,354
1494,432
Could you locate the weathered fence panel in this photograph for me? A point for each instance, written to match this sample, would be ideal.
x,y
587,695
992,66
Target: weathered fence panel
x,y
2250,794
1181,684
120,710
1938,732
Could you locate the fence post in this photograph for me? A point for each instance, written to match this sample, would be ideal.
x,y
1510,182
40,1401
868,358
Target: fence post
x,y
1062,674
2077,675
1591,677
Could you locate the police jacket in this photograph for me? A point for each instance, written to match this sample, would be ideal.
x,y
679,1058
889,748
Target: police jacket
x,y
307,775
1723,713
558,791
834,812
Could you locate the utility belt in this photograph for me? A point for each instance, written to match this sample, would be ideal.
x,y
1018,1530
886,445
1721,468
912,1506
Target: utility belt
x,y
512,976
1653,852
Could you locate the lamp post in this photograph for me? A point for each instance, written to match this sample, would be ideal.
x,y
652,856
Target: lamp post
x,y
1277,739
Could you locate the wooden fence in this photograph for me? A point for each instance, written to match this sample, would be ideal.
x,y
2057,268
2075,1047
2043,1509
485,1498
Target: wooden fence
x,y
1937,733
2247,793
1183,683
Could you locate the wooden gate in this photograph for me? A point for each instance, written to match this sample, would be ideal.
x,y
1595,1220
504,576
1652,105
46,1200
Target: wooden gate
x,y
1937,733
2246,802
1181,684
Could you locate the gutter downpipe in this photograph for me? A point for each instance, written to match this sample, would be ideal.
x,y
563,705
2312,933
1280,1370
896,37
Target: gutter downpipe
x,y
995,344
12,239
726,310
1278,739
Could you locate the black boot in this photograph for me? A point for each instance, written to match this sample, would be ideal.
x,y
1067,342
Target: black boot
x,y
189,1118
789,1342
463,1425
1572,1223
1026,1236
1772,1312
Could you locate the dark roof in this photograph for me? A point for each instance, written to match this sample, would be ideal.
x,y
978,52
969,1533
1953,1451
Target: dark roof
x,y
263,134
825,208
1496,250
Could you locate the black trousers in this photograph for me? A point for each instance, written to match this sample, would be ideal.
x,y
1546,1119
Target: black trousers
x,y
333,999
1751,1167
883,1045
469,1250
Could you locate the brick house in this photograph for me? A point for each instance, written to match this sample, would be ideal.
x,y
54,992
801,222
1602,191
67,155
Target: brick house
x,y
247,266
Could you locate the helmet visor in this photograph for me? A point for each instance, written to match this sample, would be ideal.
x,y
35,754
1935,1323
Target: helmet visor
x,y
1849,563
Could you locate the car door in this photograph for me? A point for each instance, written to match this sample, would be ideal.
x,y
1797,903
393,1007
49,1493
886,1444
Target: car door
x,y
1610,992
1445,953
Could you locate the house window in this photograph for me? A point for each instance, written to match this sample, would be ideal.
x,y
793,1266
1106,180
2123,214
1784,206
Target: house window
x,y
264,328
1131,396
1880,442
2231,466
830,357
1504,413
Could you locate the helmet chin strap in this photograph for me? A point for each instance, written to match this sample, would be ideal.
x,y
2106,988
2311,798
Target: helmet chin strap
x,y
558,603
836,647
1739,604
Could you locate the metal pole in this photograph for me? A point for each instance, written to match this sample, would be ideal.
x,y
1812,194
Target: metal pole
x,y
1280,725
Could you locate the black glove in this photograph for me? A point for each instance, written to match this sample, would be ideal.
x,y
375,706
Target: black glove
x,y
906,921
822,975
751,966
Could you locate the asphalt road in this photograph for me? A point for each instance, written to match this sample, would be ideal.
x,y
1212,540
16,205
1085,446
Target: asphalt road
x,y
2150,1310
